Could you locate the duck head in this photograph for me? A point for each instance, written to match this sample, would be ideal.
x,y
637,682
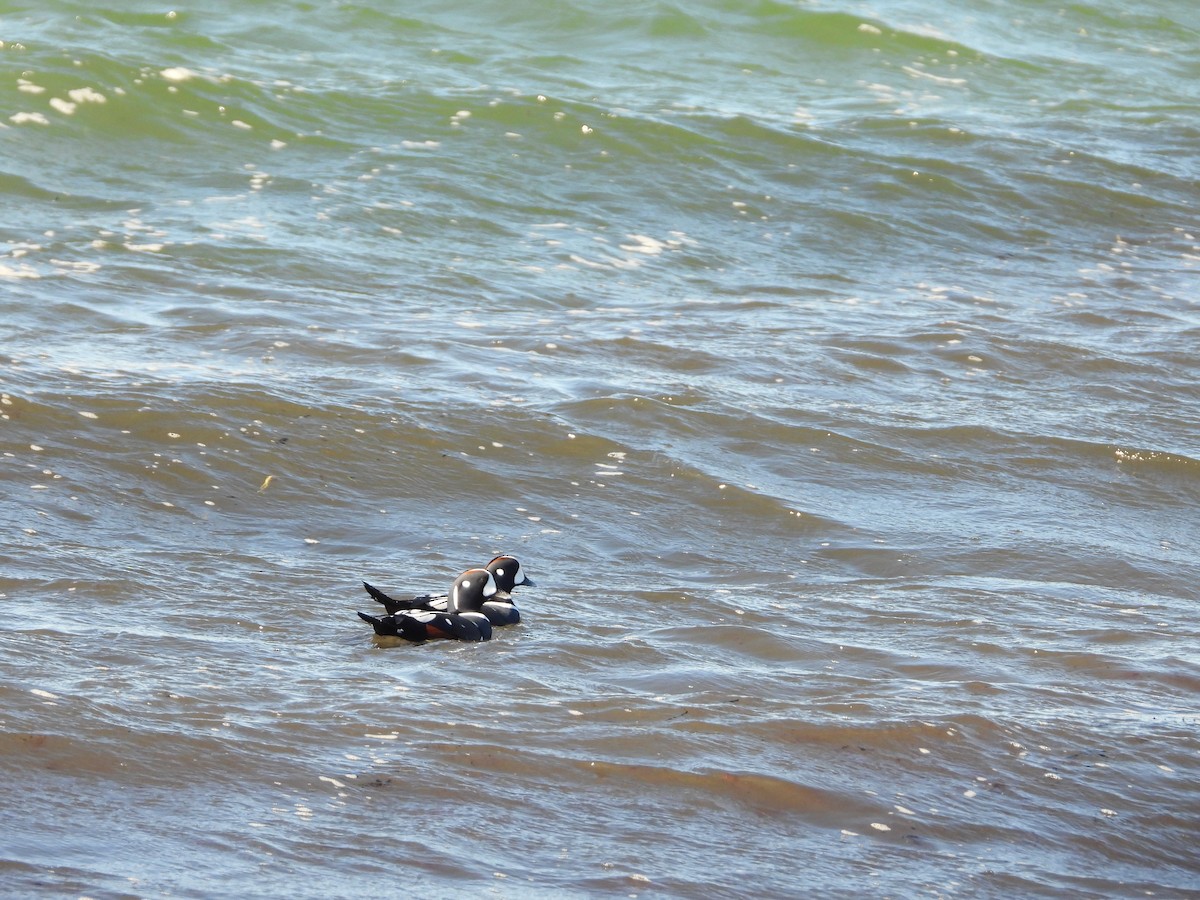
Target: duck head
x,y
507,572
470,590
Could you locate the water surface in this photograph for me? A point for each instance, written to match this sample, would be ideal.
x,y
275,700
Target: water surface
x,y
831,367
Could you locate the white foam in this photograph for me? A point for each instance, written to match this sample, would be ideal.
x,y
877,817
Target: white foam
x,y
34,117
66,107
940,79
575,258
75,265
178,73
86,95
643,244
21,271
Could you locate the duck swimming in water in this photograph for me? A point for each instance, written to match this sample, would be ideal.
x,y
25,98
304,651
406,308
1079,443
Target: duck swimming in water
x,y
499,608
461,620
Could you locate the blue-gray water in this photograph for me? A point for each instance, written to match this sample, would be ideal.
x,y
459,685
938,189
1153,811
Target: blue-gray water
x,y
832,368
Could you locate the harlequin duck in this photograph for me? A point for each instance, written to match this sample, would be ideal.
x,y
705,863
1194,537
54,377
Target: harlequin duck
x,y
460,621
499,609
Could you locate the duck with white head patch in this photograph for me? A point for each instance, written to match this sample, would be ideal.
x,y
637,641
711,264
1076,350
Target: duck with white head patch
x,y
461,620
499,608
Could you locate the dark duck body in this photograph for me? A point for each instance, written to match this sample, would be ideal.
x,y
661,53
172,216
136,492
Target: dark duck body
x,y
499,608
460,620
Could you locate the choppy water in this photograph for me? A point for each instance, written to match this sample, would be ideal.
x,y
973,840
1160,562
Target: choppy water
x,y
831,366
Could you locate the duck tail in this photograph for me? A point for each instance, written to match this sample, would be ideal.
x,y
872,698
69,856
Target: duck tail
x,y
381,597
385,626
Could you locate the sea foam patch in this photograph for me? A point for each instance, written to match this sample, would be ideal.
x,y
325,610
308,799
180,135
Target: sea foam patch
x,y
32,118
86,95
